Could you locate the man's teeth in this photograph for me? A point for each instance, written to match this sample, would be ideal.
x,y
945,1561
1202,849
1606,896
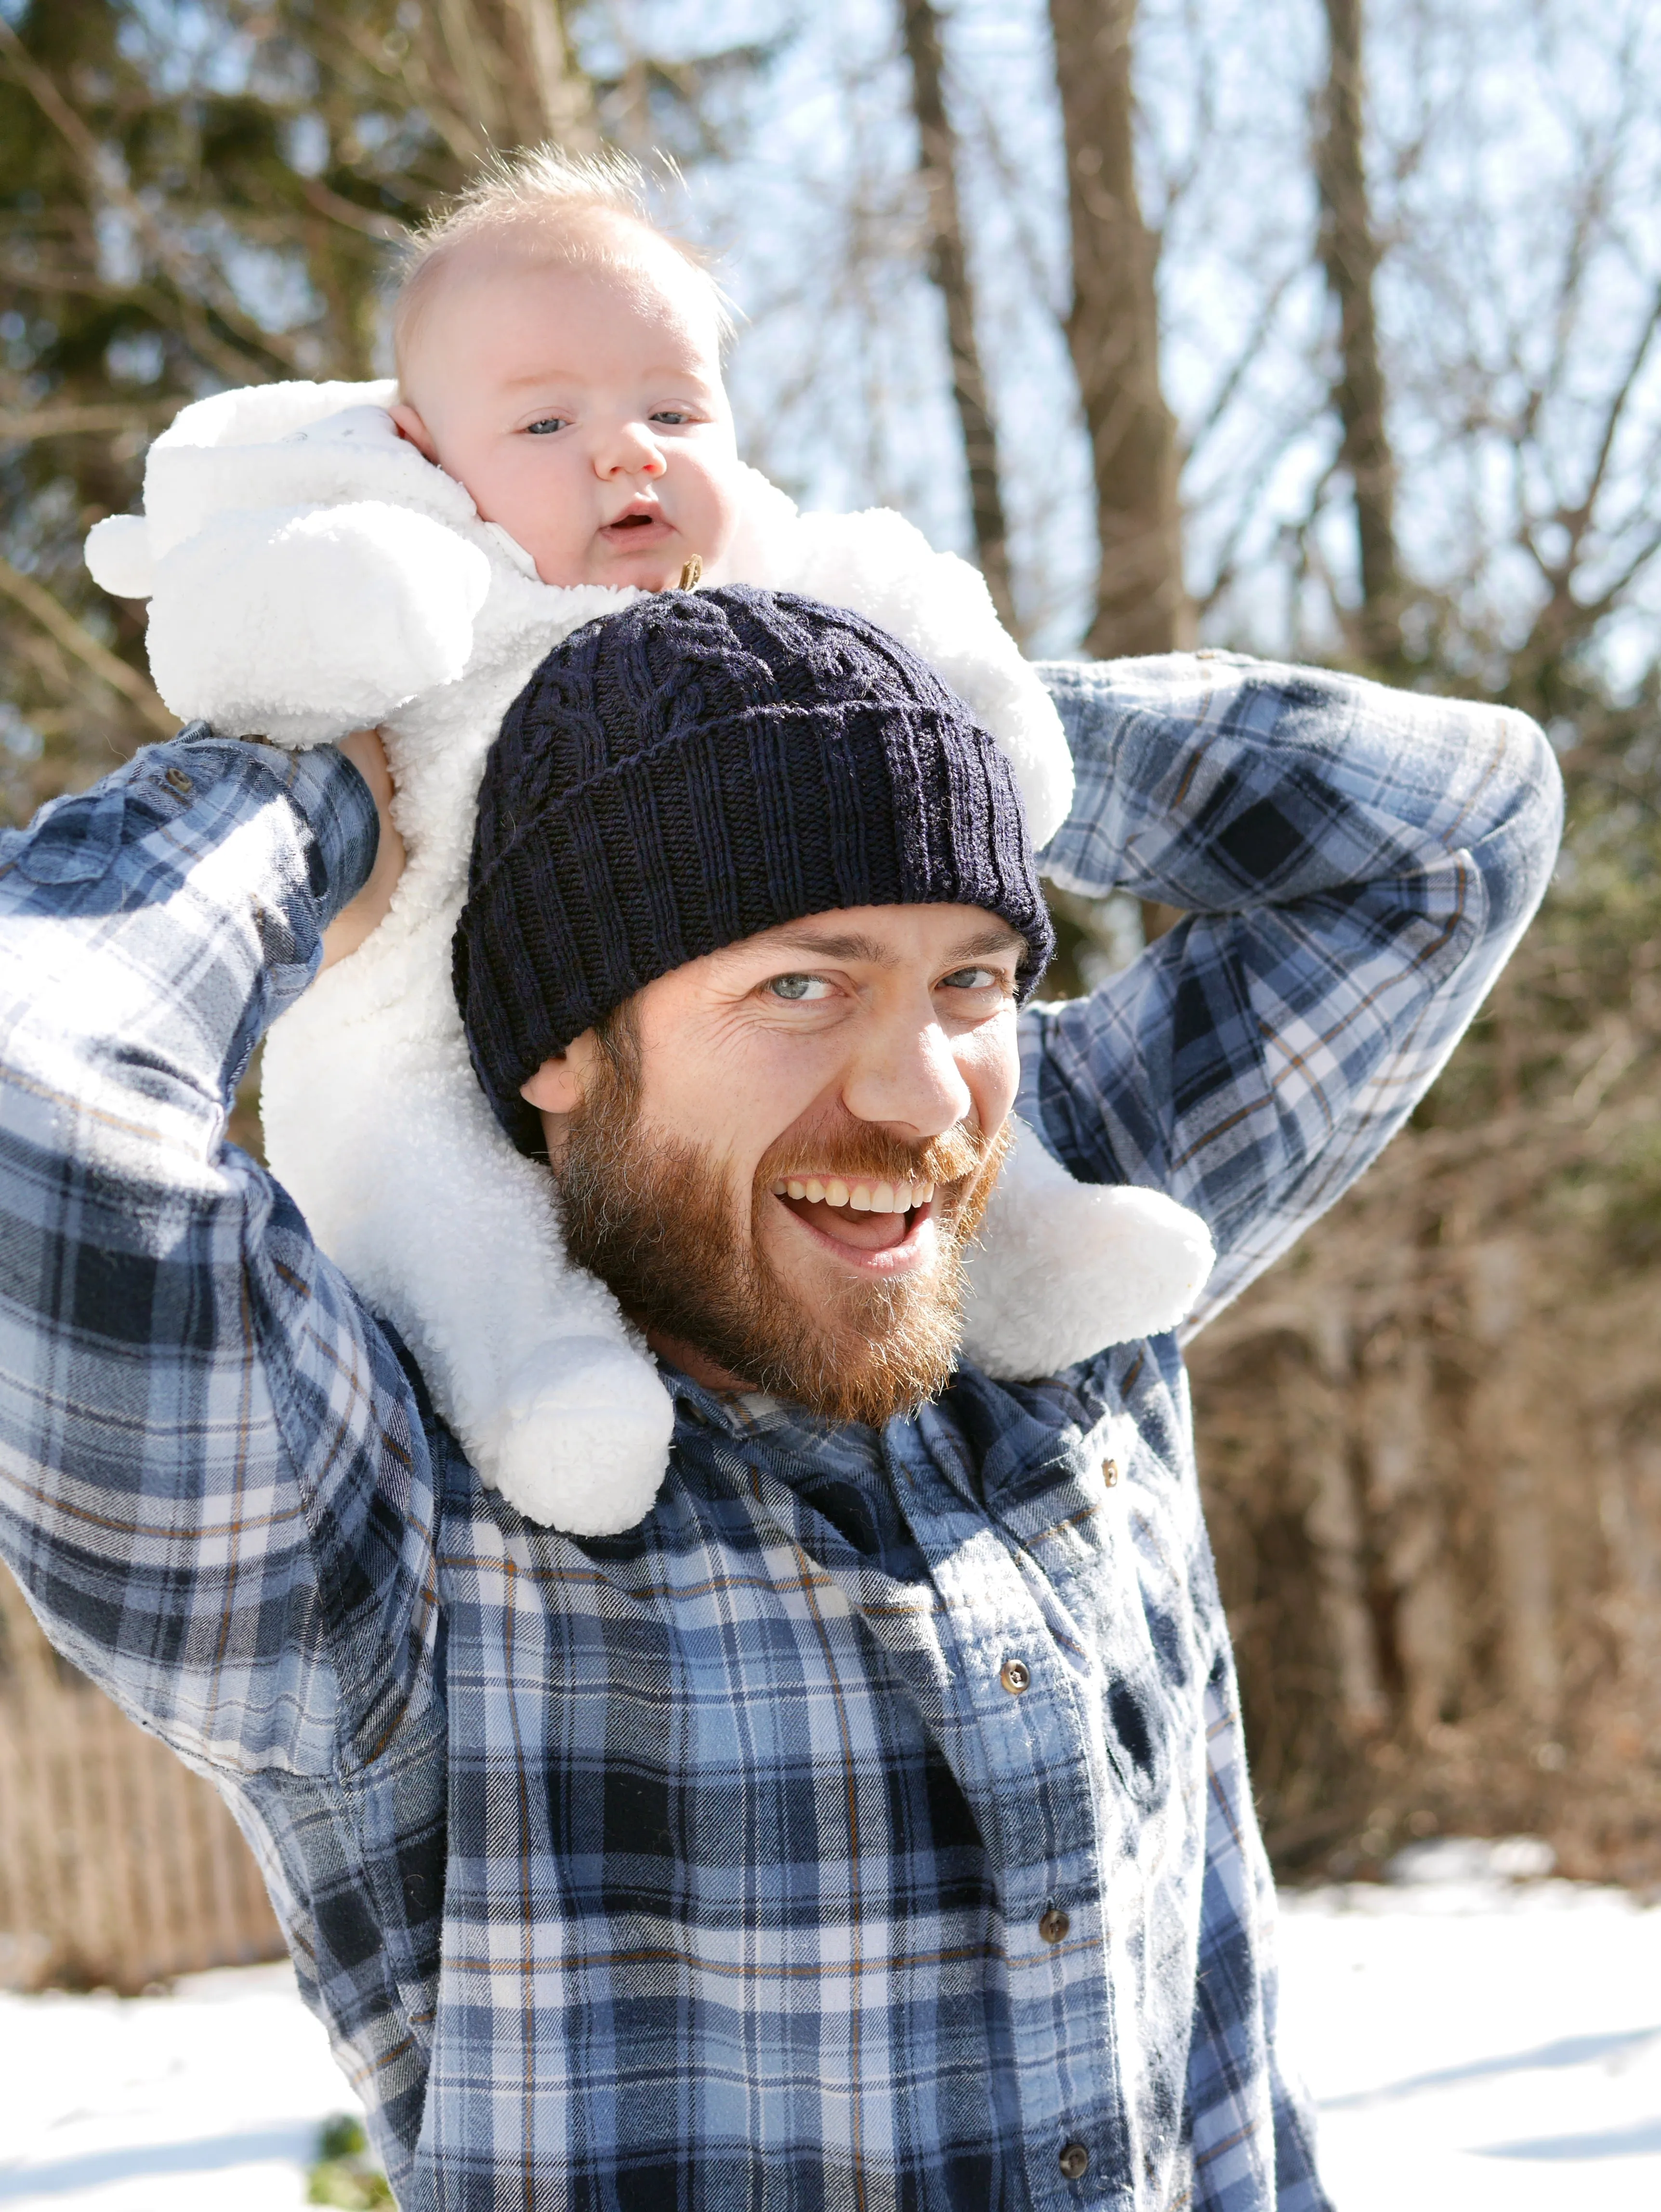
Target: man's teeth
x,y
857,1197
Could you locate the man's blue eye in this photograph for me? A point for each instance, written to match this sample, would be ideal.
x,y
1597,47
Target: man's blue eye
x,y
796,989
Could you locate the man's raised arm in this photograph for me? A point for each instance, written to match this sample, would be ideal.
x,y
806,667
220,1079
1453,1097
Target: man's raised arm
x,y
1353,864
213,1485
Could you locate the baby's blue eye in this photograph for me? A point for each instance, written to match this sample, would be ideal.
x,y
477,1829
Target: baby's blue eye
x,y
545,426
671,414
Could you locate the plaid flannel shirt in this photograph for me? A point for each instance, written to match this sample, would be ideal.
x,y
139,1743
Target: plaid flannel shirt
x,y
870,1827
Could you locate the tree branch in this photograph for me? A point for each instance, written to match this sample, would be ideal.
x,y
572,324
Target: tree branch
x,y
70,421
99,176
37,603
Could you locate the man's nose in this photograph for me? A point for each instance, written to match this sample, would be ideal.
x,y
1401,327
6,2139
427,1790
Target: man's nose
x,y
629,450
909,1080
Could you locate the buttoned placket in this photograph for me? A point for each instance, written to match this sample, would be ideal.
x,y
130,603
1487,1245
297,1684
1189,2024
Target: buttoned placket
x,y
1021,1753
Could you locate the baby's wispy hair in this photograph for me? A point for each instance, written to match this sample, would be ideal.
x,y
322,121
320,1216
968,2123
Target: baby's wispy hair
x,y
577,210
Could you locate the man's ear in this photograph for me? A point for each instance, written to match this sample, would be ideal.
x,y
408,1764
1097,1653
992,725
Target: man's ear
x,y
410,425
556,1086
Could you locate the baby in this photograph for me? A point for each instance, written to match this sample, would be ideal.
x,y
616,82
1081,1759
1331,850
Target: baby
x,y
320,557
568,374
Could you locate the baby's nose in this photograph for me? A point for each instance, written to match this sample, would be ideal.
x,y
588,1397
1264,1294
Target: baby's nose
x,y
634,451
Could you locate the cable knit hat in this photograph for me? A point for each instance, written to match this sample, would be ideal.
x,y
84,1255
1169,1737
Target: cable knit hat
x,y
701,767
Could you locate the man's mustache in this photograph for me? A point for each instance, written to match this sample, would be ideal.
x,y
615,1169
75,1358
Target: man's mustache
x,y
853,1149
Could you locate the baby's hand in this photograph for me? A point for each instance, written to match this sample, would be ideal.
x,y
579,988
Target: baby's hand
x,y
369,910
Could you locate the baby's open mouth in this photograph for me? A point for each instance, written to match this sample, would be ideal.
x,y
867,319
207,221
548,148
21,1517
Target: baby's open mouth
x,y
868,1212
639,519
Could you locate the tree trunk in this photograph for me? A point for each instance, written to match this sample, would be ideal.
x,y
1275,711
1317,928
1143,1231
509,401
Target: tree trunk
x,y
1350,257
506,69
1113,330
948,265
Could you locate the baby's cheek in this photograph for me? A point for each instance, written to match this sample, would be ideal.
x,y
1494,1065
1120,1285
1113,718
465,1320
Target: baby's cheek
x,y
546,529
719,501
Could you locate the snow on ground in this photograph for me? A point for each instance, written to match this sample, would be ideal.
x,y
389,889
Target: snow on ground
x,y
1481,2045
1471,2043
207,2101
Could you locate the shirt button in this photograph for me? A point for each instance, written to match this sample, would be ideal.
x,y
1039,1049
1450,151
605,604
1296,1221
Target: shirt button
x,y
1075,2161
1053,1928
1109,1472
1015,1675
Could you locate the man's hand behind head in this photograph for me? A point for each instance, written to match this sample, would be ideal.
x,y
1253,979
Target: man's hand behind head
x,y
359,920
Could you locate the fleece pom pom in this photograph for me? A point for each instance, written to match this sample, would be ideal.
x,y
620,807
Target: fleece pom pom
x,y
581,1439
304,625
1064,1268
119,554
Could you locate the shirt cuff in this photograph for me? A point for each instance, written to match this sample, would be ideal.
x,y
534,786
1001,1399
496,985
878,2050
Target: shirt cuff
x,y
331,799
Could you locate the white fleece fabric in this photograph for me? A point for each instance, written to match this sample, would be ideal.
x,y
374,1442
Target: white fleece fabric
x,y
309,574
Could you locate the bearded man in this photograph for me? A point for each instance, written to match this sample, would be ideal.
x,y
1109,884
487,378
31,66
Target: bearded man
x,y
869,1826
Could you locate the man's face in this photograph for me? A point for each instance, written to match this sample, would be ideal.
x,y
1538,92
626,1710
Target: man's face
x,y
778,1170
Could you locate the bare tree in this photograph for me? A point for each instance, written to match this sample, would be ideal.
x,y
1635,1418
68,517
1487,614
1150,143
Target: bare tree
x,y
492,73
1350,256
1113,332
1429,1436
948,265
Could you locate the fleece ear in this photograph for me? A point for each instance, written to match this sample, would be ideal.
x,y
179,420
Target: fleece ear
x,y
117,552
305,625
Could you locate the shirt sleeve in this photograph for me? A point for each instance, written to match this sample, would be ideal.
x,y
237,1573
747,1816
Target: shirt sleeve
x,y
215,1488
1353,864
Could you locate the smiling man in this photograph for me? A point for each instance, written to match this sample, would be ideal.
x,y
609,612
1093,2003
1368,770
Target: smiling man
x,y
823,1260
869,1827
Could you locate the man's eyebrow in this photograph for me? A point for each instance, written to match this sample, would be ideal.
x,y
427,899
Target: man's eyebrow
x,y
855,944
998,937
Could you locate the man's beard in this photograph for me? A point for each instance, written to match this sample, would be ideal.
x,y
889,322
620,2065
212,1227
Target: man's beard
x,y
654,1217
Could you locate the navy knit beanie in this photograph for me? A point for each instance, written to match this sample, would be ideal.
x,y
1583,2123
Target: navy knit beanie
x,y
697,768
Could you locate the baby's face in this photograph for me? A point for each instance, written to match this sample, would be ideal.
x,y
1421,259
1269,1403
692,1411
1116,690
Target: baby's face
x,y
583,408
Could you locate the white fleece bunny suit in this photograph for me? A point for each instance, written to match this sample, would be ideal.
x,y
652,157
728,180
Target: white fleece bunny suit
x,y
309,574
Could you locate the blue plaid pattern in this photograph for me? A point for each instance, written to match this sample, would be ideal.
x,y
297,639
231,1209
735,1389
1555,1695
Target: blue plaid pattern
x,y
716,1866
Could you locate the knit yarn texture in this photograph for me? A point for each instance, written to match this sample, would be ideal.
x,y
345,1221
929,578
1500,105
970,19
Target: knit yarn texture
x,y
699,767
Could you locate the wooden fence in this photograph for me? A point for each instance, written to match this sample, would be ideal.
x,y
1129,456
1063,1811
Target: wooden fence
x,y
118,1867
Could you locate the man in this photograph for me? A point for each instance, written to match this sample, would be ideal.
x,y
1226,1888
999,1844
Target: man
x,y
870,1827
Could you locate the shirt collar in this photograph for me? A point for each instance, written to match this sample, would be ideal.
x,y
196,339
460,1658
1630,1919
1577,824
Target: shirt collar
x,y
784,1427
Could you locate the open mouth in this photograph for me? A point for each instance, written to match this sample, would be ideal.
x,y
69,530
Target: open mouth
x,y
639,521
863,1215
